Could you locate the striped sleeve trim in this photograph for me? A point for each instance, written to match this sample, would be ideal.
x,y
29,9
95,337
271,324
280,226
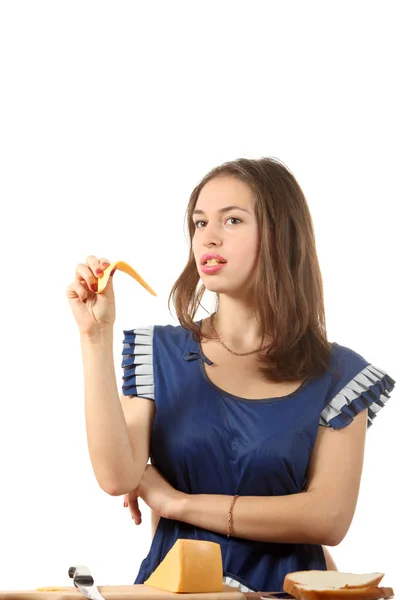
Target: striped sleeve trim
x,y
234,583
137,363
368,389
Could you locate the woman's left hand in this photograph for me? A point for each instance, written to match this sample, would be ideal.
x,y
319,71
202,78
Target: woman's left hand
x,y
158,494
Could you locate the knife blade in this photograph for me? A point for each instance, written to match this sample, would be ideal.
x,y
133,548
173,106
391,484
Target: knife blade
x,y
267,595
84,581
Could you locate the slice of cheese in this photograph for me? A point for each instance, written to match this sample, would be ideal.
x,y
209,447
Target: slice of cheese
x,y
191,566
54,589
121,266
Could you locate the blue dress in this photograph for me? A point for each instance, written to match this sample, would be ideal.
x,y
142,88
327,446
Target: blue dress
x,y
207,441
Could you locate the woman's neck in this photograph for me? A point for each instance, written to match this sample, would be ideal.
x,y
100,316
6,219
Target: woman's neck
x,y
236,323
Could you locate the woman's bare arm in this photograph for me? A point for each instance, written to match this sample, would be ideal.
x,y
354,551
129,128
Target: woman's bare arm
x,y
321,515
154,522
118,431
330,563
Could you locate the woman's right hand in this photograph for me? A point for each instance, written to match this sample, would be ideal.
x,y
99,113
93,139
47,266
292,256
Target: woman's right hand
x,y
92,311
131,500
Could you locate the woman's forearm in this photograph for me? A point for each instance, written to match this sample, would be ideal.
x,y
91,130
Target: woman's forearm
x,y
298,518
110,449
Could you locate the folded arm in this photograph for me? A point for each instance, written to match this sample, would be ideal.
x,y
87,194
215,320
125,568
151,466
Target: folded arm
x,y
320,515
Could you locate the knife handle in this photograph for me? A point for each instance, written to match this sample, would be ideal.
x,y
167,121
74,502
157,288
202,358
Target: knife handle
x,y
80,574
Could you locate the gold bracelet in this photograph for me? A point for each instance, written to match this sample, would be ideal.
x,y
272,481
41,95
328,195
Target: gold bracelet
x,y
230,516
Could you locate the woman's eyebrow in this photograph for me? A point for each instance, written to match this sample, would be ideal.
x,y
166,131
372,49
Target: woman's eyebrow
x,y
222,210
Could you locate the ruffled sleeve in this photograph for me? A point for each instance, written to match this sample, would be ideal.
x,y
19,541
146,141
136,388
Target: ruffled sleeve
x,y
369,389
137,363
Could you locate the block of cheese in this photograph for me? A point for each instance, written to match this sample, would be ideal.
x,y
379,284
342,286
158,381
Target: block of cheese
x,y
120,265
191,566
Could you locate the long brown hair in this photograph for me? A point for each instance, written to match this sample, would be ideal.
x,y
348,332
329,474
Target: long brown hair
x,y
288,282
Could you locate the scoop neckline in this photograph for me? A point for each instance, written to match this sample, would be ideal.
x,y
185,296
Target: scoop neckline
x,y
226,394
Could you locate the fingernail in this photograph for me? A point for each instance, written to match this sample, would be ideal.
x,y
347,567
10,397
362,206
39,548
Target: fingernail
x,y
113,271
126,504
105,263
93,287
98,271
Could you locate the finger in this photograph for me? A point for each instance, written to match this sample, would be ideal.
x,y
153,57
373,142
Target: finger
x,y
133,508
85,276
77,291
135,511
94,263
104,263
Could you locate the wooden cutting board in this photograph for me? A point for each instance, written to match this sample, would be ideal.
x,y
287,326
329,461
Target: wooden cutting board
x,y
122,592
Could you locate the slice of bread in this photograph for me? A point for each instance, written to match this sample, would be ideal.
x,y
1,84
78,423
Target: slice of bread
x,y
321,585
369,593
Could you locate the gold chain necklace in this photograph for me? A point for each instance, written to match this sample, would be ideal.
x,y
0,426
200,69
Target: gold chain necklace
x,y
226,347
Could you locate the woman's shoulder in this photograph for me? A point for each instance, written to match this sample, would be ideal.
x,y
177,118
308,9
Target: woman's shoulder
x,y
146,345
346,360
348,364
356,384
168,337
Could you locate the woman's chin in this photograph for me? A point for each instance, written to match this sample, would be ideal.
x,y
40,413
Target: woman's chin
x,y
237,290
217,287
212,287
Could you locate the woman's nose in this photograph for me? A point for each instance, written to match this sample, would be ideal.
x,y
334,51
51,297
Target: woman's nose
x,y
212,237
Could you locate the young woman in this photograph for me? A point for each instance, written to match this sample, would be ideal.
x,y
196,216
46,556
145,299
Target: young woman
x,y
255,424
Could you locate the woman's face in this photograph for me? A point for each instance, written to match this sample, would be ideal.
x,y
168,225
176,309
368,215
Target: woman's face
x,y
226,227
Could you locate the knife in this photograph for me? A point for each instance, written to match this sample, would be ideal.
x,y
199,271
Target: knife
x,y
84,581
267,595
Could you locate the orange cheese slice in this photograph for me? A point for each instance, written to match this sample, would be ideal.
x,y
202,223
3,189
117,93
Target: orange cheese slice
x,y
53,589
121,266
191,566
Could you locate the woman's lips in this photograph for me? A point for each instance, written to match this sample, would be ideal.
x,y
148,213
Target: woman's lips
x,y
210,269
210,257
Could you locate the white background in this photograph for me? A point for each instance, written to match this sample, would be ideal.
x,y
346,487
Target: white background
x,y
111,112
